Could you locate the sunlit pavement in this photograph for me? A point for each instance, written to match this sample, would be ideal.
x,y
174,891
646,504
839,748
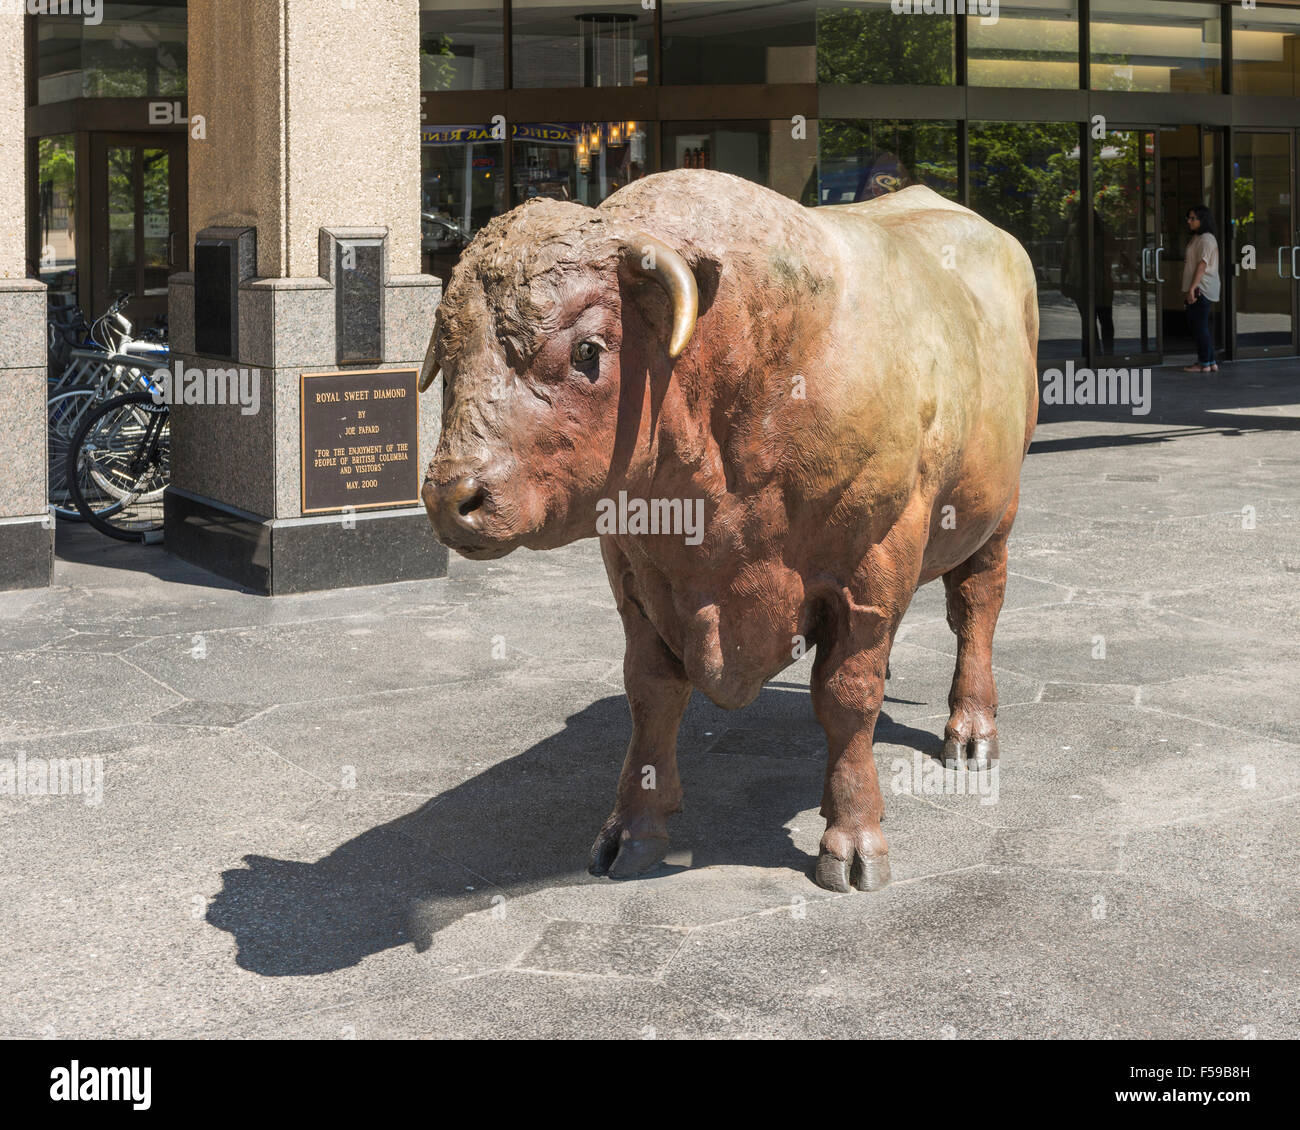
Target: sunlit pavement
x,y
367,813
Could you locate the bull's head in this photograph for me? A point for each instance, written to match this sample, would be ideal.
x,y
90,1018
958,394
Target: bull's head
x,y
554,325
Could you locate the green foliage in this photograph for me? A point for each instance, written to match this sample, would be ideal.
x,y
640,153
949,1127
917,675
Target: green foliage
x,y
859,45
1025,175
57,164
437,72
1243,200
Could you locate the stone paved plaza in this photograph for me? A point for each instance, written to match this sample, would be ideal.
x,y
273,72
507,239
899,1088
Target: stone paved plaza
x,y
367,813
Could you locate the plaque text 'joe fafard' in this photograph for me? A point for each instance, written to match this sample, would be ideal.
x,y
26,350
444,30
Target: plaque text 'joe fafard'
x,y
360,440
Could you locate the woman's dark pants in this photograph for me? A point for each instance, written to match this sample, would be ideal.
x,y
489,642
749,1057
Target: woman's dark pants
x,y
1198,316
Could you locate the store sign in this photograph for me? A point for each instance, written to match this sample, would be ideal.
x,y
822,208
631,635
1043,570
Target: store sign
x,y
544,133
360,440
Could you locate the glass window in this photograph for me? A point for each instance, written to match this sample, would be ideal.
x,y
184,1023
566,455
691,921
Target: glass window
x,y
156,221
1265,51
865,41
749,41
57,193
463,185
1032,43
582,44
1156,45
1024,177
1125,236
1261,219
135,51
766,152
861,160
462,45
122,216
581,161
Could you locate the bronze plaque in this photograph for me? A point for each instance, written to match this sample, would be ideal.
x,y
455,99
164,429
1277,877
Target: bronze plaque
x,y
360,440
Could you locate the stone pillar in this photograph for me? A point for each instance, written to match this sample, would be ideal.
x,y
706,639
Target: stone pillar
x,y
304,127
26,532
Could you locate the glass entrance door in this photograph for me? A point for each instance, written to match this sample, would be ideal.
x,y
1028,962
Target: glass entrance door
x,y
1128,249
139,228
1264,231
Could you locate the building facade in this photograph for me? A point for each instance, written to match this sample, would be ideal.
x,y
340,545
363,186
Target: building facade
x,y
1086,128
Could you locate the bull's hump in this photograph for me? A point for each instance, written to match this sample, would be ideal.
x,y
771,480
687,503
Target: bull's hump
x,y
913,199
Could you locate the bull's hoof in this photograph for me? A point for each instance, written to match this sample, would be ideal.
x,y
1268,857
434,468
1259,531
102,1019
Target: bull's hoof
x,y
625,858
867,873
975,754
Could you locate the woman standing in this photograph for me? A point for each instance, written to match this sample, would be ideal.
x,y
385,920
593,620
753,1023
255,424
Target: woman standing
x,y
1201,285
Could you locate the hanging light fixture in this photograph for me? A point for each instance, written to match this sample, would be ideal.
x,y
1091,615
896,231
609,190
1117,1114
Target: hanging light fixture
x,y
582,154
607,48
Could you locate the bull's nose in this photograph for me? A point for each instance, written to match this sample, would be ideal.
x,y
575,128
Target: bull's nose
x,y
457,505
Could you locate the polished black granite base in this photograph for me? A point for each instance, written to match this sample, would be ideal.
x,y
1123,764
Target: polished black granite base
x,y
281,556
27,553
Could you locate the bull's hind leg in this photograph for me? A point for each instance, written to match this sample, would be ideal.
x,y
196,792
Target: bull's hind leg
x,y
975,590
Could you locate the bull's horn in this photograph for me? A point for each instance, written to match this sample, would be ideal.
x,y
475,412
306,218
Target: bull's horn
x,y
428,372
656,259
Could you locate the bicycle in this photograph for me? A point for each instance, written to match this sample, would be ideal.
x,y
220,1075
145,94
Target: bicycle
x,y
65,409
118,466
113,363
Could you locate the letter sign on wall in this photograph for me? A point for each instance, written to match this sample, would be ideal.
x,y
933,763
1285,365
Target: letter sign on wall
x,y
360,440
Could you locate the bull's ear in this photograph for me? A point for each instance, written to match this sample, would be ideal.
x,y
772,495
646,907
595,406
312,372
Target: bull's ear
x,y
646,255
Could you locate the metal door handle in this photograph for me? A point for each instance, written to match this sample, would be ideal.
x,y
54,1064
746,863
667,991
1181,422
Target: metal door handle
x,y
1145,252
1159,277
1293,254
1280,252
171,249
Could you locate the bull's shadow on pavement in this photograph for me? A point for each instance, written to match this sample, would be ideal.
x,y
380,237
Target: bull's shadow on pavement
x,y
528,823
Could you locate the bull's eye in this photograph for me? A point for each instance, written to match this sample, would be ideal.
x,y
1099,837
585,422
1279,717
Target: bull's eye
x,y
584,353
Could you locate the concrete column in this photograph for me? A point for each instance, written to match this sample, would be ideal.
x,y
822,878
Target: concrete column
x,y
26,533
304,119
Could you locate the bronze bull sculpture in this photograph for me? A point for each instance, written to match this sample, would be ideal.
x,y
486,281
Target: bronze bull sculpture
x,y
850,390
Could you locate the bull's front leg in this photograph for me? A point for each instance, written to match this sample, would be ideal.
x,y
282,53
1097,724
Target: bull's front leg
x,y
635,837
848,688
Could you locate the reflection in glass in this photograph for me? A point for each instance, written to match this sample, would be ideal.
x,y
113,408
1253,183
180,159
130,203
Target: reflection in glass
x,y
1033,43
121,219
760,151
558,45
1126,268
462,178
1024,177
155,173
739,41
1265,51
135,51
1187,177
864,41
1261,212
462,45
57,197
581,161
860,160
1156,45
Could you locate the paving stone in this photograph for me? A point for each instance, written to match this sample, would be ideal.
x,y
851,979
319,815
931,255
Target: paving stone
x,y
367,813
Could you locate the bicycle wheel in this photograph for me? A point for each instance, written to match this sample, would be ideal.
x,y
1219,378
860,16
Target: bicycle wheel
x,y
118,466
65,410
